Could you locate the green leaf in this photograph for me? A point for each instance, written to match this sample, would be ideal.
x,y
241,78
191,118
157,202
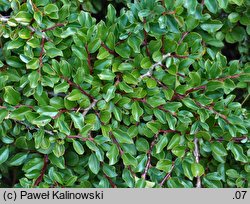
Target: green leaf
x,y
211,26
164,165
155,101
190,103
94,164
238,2
232,173
219,149
23,17
142,145
78,120
125,67
47,111
61,88
94,45
211,5
18,159
34,79
137,111
223,3
80,52
33,64
50,8
33,165
122,136
146,63
135,43
171,121
59,150
3,114
197,169
113,154
110,94
187,170
109,171
174,141
214,85
11,96
161,144
4,154
238,152
75,95
106,75
78,147
57,161
190,5
129,160
15,44
54,52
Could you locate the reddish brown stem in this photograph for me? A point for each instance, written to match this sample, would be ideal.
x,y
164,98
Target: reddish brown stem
x,y
169,131
167,111
41,55
183,37
235,139
71,83
80,137
168,175
146,39
117,144
214,111
179,56
230,77
89,60
53,27
108,49
112,184
45,164
60,113
149,157
195,89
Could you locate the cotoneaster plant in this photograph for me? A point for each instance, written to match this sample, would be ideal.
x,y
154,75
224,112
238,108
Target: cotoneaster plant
x,y
140,98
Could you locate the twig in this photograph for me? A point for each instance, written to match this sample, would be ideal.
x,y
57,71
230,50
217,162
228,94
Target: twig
x,y
169,131
214,111
71,83
183,37
53,27
235,139
146,38
80,137
33,30
121,152
51,93
229,77
117,144
108,49
197,160
4,18
112,184
33,128
89,60
149,156
179,56
151,69
245,99
90,107
45,164
168,175
41,55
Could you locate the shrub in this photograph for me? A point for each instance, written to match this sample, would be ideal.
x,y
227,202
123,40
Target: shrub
x,y
140,98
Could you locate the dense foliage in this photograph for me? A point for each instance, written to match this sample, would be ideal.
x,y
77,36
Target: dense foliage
x,y
142,93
